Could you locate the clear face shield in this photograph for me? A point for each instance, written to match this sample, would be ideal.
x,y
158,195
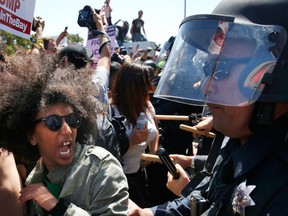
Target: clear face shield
x,y
220,62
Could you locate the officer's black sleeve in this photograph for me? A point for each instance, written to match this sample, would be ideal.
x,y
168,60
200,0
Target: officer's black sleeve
x,y
178,207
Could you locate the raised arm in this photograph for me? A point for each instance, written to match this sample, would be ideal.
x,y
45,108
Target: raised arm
x,y
10,186
105,58
61,37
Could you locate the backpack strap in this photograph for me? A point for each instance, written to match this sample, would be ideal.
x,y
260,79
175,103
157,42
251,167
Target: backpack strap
x,y
119,126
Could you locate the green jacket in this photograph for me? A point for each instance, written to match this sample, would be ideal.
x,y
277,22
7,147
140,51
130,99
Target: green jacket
x,y
94,183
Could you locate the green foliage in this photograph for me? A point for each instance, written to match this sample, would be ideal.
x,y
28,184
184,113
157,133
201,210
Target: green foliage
x,y
74,38
10,43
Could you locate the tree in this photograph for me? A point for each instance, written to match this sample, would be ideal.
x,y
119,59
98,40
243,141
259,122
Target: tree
x,y
74,39
10,43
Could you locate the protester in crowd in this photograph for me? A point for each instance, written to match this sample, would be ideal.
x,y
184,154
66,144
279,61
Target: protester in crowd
x,y
38,27
141,55
114,68
250,176
51,46
130,97
101,75
152,67
81,57
10,186
76,54
46,44
107,10
58,116
121,31
12,177
136,27
102,78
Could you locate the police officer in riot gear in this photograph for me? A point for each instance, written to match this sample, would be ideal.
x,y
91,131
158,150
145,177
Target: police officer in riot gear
x,y
239,69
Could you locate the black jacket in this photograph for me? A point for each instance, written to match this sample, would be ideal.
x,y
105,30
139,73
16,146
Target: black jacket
x,y
261,162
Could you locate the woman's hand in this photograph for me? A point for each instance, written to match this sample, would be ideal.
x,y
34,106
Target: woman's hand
x,y
40,194
138,136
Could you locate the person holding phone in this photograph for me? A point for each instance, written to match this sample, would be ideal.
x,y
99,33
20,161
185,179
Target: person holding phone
x,y
47,45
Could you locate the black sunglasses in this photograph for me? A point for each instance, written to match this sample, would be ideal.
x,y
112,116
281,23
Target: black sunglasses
x,y
222,68
55,122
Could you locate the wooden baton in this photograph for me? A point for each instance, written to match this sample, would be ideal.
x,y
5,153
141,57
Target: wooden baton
x,y
196,131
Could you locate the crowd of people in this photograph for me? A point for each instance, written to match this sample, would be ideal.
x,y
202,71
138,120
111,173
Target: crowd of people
x,y
59,151
137,29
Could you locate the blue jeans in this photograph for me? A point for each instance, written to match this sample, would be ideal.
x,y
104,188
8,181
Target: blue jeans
x,y
138,37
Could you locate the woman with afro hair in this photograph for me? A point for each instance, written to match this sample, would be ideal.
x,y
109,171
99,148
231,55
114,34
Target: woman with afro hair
x,y
48,114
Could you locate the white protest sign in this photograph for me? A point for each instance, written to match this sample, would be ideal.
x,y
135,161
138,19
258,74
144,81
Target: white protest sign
x,y
16,16
93,42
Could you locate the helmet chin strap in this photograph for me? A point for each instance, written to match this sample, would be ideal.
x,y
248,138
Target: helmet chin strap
x,y
262,116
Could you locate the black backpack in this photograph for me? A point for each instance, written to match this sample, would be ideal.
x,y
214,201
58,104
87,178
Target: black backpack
x,y
112,135
120,129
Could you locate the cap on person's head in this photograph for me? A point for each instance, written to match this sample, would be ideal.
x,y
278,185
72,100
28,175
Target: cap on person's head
x,y
161,64
151,64
77,55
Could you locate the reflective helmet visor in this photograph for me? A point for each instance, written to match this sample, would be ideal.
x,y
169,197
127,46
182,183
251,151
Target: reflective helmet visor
x,y
214,60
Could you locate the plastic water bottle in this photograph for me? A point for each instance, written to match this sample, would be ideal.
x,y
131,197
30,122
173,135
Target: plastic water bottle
x,y
141,121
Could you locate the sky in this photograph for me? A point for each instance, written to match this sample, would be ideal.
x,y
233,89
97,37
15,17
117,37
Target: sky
x,y
162,17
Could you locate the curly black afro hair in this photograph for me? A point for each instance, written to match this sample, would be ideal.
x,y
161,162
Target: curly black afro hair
x,y
29,83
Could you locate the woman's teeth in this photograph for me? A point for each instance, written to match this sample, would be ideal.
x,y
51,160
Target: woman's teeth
x,y
66,143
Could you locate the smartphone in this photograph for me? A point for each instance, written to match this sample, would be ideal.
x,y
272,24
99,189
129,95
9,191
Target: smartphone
x,y
165,159
66,28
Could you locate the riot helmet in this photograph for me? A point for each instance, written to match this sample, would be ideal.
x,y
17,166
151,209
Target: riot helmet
x,y
151,64
234,57
165,50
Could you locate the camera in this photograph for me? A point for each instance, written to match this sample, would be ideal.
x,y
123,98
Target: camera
x,y
117,57
123,50
35,23
85,18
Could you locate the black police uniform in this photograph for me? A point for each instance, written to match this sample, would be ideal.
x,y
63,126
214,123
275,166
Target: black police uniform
x,y
261,162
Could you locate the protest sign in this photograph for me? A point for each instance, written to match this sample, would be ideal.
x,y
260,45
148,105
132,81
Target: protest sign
x,y
93,42
16,17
